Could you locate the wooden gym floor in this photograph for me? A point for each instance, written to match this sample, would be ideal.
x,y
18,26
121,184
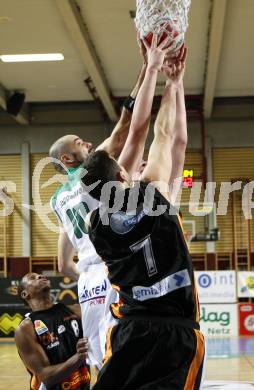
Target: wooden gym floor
x,y
229,360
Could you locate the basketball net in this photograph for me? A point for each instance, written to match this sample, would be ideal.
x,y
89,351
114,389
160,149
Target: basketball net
x,y
151,15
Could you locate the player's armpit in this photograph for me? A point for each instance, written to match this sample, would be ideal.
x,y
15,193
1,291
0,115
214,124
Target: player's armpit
x,y
134,151
179,144
158,167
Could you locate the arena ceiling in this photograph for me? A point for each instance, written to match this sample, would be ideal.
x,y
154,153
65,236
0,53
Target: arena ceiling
x,y
97,39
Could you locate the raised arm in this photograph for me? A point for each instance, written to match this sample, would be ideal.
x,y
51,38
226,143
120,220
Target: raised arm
x,y
37,361
65,253
115,143
66,264
159,164
179,143
134,146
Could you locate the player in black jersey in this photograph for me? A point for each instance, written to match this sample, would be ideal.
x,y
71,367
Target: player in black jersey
x,y
50,340
157,344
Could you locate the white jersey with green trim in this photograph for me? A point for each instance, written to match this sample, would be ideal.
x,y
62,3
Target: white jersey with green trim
x,y
71,203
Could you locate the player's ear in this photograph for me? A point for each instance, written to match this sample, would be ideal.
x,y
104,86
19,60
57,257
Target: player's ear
x,y
67,159
24,294
120,176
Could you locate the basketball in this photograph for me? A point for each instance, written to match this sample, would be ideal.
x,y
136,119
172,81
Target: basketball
x,y
176,38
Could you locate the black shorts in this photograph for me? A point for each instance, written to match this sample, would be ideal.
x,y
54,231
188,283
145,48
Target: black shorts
x,y
145,354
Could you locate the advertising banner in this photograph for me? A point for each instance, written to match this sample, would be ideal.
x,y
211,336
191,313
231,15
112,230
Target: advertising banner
x,y
246,319
12,309
216,286
10,318
62,290
245,284
219,320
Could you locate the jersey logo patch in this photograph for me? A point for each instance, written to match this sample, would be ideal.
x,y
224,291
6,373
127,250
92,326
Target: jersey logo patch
x,y
61,329
122,223
40,327
170,283
47,339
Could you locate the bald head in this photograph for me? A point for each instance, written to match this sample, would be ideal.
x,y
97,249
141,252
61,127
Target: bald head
x,y
70,150
60,147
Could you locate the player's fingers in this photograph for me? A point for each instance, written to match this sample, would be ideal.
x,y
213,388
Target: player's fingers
x,y
165,69
160,36
184,54
142,45
181,53
143,50
172,57
164,44
168,47
82,343
154,41
144,41
82,349
83,339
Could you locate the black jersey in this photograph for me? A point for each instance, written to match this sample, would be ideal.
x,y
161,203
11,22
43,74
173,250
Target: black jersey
x,y
147,258
58,330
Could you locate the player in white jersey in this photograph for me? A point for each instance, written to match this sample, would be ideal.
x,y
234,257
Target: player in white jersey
x,y
71,204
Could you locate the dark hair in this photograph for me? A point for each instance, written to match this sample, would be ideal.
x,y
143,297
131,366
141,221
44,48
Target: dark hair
x,y
100,166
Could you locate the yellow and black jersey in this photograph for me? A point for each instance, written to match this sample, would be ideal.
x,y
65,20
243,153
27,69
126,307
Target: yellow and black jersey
x,y
146,254
58,330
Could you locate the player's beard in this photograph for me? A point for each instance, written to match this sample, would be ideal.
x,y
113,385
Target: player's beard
x,y
45,289
80,158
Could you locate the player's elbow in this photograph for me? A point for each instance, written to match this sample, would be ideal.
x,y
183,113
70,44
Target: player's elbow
x,y
163,130
46,379
60,267
180,141
162,136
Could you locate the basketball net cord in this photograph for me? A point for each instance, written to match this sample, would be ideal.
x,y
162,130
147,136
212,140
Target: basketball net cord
x,y
151,15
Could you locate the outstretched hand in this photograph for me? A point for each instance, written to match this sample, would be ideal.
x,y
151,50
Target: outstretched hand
x,y
156,52
175,72
82,348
